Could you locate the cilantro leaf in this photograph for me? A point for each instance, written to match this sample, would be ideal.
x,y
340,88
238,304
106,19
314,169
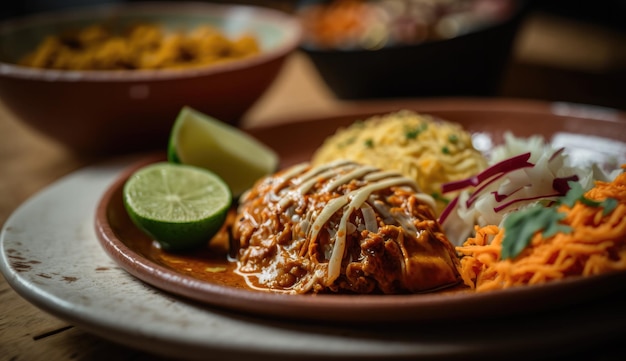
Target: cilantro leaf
x,y
521,226
576,193
609,205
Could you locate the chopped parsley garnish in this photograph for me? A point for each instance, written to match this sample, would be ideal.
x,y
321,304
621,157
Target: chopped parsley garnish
x,y
453,138
445,150
522,225
369,143
414,132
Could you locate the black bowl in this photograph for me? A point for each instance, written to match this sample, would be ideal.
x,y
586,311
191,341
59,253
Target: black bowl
x,y
470,64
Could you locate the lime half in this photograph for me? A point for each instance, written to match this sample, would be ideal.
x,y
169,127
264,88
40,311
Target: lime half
x,y
238,158
180,206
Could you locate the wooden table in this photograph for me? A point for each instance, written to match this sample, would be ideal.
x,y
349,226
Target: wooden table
x,y
29,162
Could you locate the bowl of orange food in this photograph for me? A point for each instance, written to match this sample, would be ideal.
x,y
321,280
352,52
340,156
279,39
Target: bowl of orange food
x,y
112,78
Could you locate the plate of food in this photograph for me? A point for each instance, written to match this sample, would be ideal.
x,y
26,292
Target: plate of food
x,y
52,255
398,212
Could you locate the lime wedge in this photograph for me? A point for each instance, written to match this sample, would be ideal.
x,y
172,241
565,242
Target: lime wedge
x,y
179,206
238,158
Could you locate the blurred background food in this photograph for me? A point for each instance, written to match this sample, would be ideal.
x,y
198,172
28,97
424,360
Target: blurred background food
x,y
373,25
402,48
62,73
569,50
142,45
562,50
556,50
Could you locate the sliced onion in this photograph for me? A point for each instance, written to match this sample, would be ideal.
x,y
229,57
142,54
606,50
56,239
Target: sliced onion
x,y
498,169
446,211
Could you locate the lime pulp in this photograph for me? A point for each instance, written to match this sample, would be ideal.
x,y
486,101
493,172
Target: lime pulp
x,y
179,206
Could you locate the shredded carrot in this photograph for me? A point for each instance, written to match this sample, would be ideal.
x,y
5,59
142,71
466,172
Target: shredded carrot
x,y
596,245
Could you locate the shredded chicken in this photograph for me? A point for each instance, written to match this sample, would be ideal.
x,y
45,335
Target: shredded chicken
x,y
341,227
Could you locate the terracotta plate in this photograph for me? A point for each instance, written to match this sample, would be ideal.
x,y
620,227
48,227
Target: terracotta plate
x,y
590,134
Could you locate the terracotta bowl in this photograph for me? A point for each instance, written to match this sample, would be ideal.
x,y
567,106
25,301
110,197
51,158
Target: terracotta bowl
x,y
115,111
